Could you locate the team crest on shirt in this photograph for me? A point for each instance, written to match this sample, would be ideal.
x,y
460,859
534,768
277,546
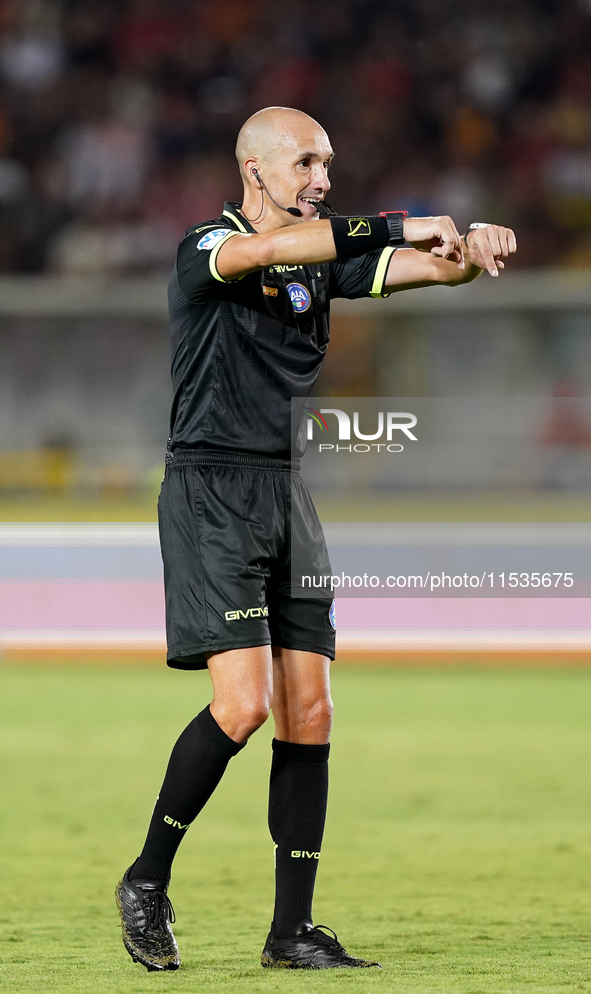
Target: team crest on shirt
x,y
212,238
332,616
299,296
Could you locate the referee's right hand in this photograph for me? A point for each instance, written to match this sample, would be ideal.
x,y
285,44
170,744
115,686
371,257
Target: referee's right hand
x,y
437,235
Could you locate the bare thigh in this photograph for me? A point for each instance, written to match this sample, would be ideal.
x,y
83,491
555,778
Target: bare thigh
x,y
301,702
242,689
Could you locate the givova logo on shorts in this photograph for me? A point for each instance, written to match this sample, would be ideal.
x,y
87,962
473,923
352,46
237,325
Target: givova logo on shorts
x,y
251,612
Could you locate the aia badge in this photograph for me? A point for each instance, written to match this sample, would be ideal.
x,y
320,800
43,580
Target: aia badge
x,y
332,616
299,296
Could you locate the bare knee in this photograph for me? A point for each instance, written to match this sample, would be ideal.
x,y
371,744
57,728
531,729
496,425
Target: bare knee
x,y
241,719
304,721
318,718
253,716
242,685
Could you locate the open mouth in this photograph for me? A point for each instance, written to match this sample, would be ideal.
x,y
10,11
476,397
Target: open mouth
x,y
310,204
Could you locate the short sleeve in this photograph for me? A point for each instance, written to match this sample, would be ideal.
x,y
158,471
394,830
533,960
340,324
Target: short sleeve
x,y
197,260
361,277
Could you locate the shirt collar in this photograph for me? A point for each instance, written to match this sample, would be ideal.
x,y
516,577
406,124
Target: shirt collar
x,y
232,210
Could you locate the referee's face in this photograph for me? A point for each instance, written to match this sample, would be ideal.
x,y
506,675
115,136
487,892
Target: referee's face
x,y
297,170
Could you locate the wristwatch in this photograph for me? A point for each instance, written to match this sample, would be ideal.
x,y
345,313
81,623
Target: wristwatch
x,y
395,221
473,226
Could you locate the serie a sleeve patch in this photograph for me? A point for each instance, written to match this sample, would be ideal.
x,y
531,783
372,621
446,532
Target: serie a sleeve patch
x,y
211,239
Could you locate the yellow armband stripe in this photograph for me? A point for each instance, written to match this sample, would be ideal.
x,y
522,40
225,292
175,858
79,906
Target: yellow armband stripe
x,y
381,272
214,254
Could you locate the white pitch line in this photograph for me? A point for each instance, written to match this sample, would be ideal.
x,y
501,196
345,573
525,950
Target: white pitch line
x,y
341,534
79,534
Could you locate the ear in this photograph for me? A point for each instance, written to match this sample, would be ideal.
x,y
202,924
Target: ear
x,y
249,166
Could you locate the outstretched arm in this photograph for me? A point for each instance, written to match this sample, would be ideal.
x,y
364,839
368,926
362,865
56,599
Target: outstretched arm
x,y
312,241
484,248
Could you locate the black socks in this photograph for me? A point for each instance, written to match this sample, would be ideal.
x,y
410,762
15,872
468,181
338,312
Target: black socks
x,y
195,768
297,811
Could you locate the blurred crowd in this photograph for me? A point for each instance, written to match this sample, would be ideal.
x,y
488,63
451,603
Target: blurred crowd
x,y
118,117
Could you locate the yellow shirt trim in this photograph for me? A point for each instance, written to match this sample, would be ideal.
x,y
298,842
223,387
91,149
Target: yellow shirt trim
x,y
381,272
237,221
214,254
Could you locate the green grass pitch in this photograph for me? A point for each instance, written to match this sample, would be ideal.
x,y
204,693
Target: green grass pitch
x,y
457,849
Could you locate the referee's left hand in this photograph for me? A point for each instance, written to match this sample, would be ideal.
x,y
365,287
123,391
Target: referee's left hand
x,y
437,235
487,247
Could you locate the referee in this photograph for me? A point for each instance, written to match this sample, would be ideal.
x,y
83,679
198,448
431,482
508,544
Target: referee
x,y
249,308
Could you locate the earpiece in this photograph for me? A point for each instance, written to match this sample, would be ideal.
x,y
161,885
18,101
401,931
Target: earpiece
x,y
294,211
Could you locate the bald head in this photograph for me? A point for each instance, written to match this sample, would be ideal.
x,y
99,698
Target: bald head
x,y
284,157
275,132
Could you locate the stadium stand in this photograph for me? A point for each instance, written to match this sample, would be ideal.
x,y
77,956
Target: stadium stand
x,y
117,120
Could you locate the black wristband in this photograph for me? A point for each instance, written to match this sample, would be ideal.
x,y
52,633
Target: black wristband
x,y
354,236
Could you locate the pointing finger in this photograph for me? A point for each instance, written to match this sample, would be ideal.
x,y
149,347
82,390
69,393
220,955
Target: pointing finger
x,y
451,242
449,235
488,258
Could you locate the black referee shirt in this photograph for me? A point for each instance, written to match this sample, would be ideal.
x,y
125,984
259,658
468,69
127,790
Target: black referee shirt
x,y
242,349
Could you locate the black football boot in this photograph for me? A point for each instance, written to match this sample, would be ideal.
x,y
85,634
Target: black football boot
x,y
308,949
146,914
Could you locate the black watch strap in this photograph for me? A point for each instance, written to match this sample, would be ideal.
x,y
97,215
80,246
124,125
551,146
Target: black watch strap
x,y
395,221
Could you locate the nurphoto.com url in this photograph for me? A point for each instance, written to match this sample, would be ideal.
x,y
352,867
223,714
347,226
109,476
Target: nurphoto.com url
x,y
441,581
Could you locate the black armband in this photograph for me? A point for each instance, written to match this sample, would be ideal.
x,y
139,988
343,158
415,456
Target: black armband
x,y
354,236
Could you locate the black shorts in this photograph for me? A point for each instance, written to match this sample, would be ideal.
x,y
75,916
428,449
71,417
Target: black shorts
x,y
232,527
